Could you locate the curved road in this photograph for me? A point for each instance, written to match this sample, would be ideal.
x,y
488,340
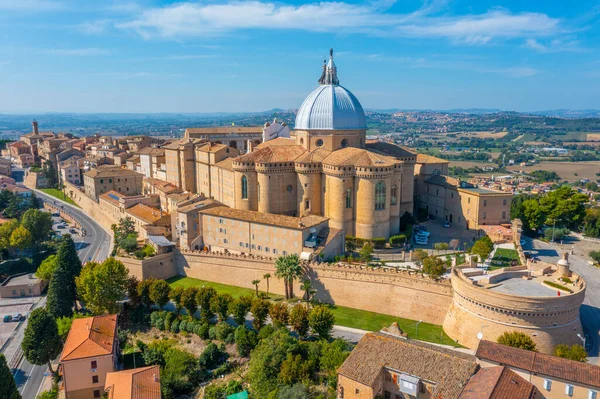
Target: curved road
x,y
96,246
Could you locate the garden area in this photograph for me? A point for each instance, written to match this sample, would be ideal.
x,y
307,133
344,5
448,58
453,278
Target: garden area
x,y
505,257
59,194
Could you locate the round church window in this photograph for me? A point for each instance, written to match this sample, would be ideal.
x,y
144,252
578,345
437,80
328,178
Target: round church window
x,y
319,143
289,187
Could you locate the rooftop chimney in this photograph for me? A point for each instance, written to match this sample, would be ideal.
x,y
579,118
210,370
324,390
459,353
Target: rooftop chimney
x,y
250,146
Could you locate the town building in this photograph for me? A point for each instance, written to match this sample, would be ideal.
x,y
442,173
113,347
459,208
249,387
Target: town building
x,y
139,383
22,285
152,162
103,179
89,354
553,377
180,164
234,136
5,168
499,383
460,203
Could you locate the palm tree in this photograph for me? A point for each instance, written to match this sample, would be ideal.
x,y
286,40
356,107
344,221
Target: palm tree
x,y
281,271
308,290
294,272
255,283
267,277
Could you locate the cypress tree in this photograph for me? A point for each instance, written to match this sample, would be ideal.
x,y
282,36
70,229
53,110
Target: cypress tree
x,y
41,343
59,301
68,260
8,386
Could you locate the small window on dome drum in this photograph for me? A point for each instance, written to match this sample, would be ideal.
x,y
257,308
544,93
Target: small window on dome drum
x,y
344,143
319,143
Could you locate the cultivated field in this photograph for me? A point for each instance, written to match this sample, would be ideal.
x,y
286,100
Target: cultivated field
x,y
593,136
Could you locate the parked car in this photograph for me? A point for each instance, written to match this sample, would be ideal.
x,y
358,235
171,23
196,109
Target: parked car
x,y
446,224
61,226
17,317
73,231
56,214
422,233
7,318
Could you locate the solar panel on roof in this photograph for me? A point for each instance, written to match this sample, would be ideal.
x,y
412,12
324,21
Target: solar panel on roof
x,y
113,196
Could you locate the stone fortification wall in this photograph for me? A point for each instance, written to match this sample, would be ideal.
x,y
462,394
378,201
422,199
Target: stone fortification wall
x,y
90,207
398,293
160,266
547,320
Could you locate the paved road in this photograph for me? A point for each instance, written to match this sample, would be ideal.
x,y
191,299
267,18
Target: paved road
x,y
590,310
96,246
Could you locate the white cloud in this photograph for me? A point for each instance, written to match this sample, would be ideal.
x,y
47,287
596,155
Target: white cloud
x,y
194,19
76,52
94,27
553,46
513,72
30,5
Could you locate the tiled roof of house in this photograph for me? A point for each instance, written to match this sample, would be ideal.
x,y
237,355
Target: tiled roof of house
x,y
389,149
273,153
447,369
540,363
498,383
196,206
441,180
152,151
145,213
223,130
265,218
163,186
351,156
212,147
424,158
110,171
140,383
90,336
112,197
226,164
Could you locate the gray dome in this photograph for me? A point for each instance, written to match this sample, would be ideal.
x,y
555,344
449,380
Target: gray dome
x,y
330,106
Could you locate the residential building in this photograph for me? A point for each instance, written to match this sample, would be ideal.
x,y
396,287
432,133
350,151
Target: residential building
x,y
115,204
144,215
499,383
384,365
242,231
103,179
180,164
139,383
187,226
89,354
70,169
554,377
162,189
16,189
152,161
5,168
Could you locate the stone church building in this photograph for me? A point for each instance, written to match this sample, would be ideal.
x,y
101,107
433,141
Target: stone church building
x,y
326,168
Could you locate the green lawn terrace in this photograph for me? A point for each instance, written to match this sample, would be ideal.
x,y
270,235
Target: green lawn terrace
x,y
60,195
505,257
344,317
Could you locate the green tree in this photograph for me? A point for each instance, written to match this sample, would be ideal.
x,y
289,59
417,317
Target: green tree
x,y
279,314
321,321
517,340
8,386
434,267
20,238
68,260
219,305
565,207
188,300
591,223
595,255
288,269
132,291
41,343
64,324
103,285
46,268
143,289
204,297
366,252
532,214
245,340
175,296
255,284
419,255
299,319
38,223
267,276
59,300
124,230
239,308
483,247
159,292
260,311
574,352
308,290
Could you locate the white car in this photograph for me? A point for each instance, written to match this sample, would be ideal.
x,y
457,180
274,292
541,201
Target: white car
x,y
423,233
421,240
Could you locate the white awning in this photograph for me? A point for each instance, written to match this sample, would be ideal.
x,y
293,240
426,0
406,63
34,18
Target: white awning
x,y
305,255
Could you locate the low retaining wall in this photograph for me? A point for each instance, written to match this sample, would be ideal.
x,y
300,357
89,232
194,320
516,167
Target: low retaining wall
x,y
158,266
398,293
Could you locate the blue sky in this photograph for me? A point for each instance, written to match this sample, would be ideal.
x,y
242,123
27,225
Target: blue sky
x,y
162,56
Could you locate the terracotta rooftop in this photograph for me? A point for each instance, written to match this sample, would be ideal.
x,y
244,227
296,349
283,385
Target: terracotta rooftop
x,y
212,147
177,197
145,213
265,218
226,164
445,181
110,171
273,153
447,369
389,149
197,206
163,186
317,155
498,383
112,197
140,383
177,144
152,151
540,363
351,156
424,158
223,130
90,336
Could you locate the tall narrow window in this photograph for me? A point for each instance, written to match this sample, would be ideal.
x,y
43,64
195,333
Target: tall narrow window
x,y
244,187
394,196
349,198
380,196
258,191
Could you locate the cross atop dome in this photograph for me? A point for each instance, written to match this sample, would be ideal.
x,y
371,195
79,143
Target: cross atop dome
x,y
329,75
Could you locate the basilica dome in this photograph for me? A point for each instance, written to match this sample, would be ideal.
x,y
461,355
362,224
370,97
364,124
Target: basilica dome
x,y
330,106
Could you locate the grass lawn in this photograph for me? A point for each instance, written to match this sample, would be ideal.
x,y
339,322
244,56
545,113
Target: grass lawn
x,y
59,194
347,317
504,257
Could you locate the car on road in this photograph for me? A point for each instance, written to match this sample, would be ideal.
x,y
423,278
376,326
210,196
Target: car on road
x,y
61,226
56,214
446,224
422,233
73,231
17,317
7,318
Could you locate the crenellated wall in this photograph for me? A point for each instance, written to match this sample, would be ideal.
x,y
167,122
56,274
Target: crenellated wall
x,y
398,293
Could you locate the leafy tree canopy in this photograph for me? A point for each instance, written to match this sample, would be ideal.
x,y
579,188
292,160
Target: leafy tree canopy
x,y
517,340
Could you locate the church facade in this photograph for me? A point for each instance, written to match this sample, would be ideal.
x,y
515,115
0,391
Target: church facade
x,y
326,168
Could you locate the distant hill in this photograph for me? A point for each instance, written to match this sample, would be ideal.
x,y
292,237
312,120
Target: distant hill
x,y
570,113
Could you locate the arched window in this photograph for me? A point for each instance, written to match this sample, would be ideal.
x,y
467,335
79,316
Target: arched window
x,y
394,195
244,187
349,198
344,143
380,196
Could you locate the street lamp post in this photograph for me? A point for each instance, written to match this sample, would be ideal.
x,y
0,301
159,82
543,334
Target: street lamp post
x,y
417,329
582,338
